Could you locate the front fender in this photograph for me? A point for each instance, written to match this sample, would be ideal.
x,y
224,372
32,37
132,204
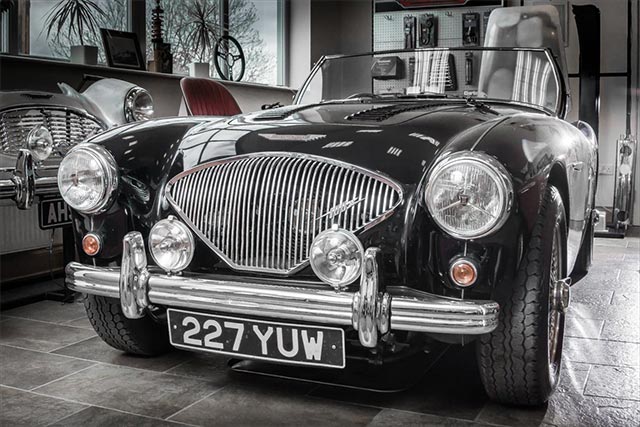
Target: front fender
x,y
539,151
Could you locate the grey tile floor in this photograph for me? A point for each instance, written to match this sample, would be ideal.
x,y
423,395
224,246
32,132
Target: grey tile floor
x,y
55,371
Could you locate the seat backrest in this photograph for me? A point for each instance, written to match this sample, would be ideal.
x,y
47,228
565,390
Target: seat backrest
x,y
206,97
523,76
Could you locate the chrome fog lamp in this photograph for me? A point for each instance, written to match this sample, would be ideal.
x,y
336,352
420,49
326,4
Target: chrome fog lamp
x,y
88,178
171,244
138,105
469,194
336,257
40,143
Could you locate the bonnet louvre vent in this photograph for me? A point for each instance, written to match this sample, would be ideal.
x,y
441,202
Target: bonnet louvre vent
x,y
379,114
281,112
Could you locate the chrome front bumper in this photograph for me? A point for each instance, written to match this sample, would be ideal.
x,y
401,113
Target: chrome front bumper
x,y
370,310
23,186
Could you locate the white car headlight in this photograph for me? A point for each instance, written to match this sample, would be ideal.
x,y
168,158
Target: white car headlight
x,y
88,178
171,245
138,105
336,257
469,195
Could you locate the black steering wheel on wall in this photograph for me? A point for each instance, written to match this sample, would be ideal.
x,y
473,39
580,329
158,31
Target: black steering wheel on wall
x,y
228,58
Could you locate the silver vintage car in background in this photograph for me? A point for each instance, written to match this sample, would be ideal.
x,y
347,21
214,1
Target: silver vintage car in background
x,y
36,131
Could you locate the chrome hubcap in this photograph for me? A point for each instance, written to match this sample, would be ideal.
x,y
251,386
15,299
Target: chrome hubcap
x,y
559,297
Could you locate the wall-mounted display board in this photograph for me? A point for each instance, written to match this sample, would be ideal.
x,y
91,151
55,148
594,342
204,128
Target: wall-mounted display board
x,y
408,24
396,5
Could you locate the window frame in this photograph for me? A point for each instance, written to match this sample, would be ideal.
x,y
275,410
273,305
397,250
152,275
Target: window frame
x,y
18,42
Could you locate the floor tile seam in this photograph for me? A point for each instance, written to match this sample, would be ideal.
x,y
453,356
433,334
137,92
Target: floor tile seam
x,y
98,362
69,345
63,377
586,380
67,416
617,399
46,321
605,339
169,418
381,408
88,405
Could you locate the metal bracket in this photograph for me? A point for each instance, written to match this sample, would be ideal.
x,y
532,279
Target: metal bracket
x,y
134,276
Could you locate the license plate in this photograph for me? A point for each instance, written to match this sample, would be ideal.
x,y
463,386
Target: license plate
x,y
53,213
256,339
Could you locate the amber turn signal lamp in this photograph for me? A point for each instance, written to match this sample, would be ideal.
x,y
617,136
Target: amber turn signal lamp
x,y
463,273
91,244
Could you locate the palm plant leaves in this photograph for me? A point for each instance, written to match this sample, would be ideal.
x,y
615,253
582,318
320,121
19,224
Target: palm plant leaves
x,y
202,31
78,15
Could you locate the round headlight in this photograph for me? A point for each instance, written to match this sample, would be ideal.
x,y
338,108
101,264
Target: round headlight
x,y
171,244
138,105
40,143
88,178
336,257
469,195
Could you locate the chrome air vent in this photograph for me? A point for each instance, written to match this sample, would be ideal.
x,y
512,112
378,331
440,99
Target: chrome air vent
x,y
68,127
260,212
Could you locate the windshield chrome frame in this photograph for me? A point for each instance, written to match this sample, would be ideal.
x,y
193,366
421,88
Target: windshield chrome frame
x,y
562,92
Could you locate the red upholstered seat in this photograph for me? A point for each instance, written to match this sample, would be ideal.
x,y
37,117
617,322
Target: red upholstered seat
x,y
205,97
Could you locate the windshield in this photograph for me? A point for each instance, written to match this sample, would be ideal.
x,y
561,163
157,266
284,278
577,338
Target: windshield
x,y
527,76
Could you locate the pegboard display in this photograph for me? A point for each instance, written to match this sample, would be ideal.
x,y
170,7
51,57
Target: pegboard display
x,y
389,34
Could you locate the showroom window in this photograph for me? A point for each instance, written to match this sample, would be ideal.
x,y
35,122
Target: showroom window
x,y
258,26
255,24
56,43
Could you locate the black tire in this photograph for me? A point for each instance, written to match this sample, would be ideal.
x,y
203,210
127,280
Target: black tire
x,y
145,337
515,361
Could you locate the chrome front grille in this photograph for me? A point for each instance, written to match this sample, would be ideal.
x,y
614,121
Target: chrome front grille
x,y
68,127
260,212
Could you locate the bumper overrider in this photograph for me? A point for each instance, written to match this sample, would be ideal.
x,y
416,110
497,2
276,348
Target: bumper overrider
x,y
373,310
23,186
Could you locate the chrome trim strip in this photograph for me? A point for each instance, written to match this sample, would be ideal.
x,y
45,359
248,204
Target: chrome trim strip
x,y
246,231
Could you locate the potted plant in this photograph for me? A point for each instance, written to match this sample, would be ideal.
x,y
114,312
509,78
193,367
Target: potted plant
x,y
80,19
201,35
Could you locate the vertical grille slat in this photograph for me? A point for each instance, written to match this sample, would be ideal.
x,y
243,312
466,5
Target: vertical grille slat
x,y
67,127
261,212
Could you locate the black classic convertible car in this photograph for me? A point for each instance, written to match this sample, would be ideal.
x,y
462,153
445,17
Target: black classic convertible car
x,y
381,211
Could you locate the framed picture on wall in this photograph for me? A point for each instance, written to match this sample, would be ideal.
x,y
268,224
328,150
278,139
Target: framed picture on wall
x,y
122,49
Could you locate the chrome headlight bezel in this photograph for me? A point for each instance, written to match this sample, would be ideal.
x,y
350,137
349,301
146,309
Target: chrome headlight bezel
x,y
130,109
110,170
494,169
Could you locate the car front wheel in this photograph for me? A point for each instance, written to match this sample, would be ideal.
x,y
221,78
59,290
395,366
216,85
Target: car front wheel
x,y
144,337
520,360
